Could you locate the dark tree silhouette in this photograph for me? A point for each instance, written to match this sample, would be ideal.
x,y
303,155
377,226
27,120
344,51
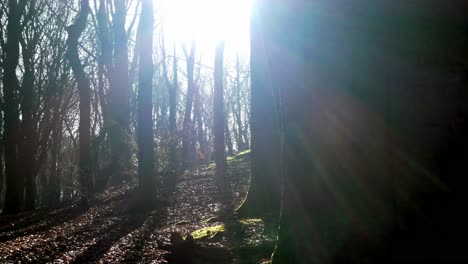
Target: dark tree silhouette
x,y
74,32
27,152
147,179
14,184
362,156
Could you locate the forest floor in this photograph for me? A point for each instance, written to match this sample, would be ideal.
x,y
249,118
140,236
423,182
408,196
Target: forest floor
x,y
108,231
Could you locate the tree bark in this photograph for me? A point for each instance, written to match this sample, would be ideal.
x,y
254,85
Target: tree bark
x,y
26,146
264,194
147,179
27,149
14,181
219,118
54,183
119,103
84,127
355,126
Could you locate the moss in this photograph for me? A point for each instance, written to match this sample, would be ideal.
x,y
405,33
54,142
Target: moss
x,y
208,232
250,221
209,166
240,155
211,231
243,153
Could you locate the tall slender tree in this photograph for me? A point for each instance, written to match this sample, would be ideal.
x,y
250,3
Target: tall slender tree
x,y
198,118
26,146
187,126
240,140
172,94
219,117
173,140
147,179
119,103
74,32
14,182
29,41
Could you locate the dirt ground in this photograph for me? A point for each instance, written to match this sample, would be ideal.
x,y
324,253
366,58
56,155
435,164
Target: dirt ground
x,y
108,232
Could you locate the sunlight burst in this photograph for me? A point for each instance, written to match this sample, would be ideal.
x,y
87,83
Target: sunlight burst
x,y
208,21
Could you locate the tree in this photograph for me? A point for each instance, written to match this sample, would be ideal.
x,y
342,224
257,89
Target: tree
x,y
197,109
105,69
146,175
29,41
74,32
227,137
173,161
14,185
264,194
219,118
241,138
172,87
356,165
119,103
188,150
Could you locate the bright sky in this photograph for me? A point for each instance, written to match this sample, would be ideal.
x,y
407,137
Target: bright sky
x,y
208,21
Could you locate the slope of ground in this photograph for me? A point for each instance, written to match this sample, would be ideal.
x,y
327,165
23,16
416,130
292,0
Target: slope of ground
x,y
108,232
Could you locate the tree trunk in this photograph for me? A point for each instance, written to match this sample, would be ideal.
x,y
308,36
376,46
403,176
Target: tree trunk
x,y
27,151
84,127
147,179
171,136
228,137
238,111
198,117
26,146
219,118
173,140
54,183
119,103
264,194
187,128
105,69
14,182
364,181
2,174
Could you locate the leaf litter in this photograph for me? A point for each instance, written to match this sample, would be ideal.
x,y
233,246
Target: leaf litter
x,y
107,232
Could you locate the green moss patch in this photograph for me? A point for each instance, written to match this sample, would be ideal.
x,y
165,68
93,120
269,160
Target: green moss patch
x,y
250,221
208,232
